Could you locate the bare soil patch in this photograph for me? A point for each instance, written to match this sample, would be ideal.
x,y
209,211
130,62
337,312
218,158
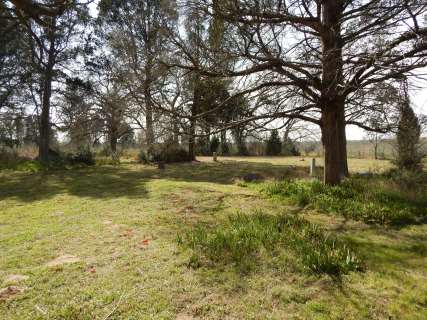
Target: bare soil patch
x,y
67,258
15,278
10,292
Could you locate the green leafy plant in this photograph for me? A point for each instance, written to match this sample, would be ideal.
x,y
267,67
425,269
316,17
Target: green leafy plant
x,y
244,239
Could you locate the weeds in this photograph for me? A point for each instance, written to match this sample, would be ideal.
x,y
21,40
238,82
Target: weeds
x,y
244,238
355,198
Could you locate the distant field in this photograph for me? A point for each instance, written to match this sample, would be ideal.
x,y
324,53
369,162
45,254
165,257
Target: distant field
x,y
355,165
363,149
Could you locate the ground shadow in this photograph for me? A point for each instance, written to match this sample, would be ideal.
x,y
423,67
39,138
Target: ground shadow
x,y
130,180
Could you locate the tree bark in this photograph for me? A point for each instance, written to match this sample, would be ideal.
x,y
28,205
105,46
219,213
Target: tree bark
x,y
192,133
175,135
334,144
45,129
332,100
148,106
113,143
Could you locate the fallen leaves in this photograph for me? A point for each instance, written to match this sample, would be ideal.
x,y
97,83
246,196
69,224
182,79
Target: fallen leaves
x,y
92,269
128,233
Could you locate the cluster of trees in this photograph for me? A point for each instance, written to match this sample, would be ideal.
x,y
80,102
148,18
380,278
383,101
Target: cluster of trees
x,y
186,71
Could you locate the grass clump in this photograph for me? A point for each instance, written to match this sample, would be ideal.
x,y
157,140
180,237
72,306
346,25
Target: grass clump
x,y
356,198
245,239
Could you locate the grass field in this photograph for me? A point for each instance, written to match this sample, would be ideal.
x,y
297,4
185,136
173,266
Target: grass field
x,y
117,227
355,165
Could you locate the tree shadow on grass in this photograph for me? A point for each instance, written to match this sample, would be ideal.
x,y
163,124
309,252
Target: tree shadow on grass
x,y
129,180
102,183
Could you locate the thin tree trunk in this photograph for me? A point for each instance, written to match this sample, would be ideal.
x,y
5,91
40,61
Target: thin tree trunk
x,y
194,111
192,133
175,134
148,103
332,103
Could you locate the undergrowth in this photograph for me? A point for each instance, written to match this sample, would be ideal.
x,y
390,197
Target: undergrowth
x,y
247,239
356,198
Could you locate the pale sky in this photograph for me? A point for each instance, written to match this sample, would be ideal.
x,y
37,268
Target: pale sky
x,y
418,96
419,103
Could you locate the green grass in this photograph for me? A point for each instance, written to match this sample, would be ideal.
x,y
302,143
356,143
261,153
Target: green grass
x,y
380,200
355,165
123,221
246,239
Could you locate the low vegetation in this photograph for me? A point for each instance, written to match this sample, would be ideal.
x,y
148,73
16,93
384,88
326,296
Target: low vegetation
x,y
246,240
382,200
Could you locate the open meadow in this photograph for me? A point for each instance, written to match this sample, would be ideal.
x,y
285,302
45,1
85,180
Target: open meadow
x,y
135,242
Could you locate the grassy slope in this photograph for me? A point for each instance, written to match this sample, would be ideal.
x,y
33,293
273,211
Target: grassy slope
x,y
103,215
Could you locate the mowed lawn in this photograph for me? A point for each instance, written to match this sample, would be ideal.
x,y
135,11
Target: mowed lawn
x,y
115,231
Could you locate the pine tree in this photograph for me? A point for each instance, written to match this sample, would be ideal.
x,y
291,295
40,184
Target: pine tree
x,y
274,144
408,138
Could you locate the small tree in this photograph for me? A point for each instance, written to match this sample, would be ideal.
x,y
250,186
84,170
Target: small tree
x,y
214,144
408,137
274,145
289,148
225,148
374,139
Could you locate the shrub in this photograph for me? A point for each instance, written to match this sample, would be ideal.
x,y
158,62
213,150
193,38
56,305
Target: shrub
x,y
289,148
355,198
143,157
11,159
8,156
82,156
214,144
171,154
246,237
225,148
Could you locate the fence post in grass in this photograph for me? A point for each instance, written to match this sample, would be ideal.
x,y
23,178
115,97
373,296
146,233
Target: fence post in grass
x,y
214,156
312,167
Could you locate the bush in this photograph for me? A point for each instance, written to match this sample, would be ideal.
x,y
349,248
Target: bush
x,y
164,153
8,157
355,198
82,156
11,159
225,148
246,237
171,155
143,157
289,148
214,144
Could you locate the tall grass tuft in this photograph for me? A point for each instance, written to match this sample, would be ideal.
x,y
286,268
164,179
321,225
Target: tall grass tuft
x,y
356,198
246,239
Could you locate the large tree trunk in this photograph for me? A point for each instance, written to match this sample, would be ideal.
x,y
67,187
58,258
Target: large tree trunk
x,y
44,126
332,102
113,143
334,143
